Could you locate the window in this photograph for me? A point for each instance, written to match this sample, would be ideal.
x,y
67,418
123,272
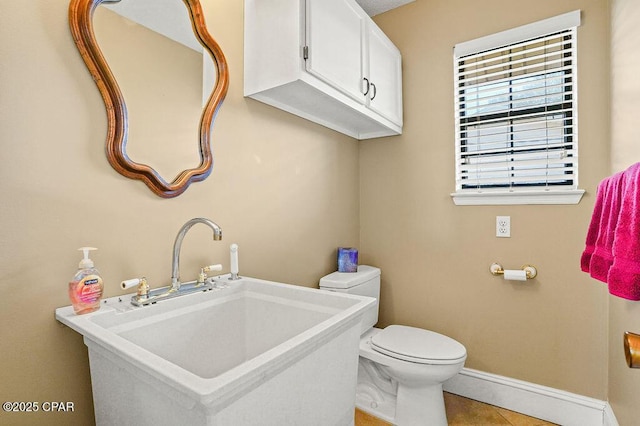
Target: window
x,y
516,116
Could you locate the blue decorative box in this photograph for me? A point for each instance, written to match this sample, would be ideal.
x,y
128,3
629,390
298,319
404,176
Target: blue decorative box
x,y
347,259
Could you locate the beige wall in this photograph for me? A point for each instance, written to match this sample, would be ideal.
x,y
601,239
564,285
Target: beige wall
x,y
625,150
284,189
435,256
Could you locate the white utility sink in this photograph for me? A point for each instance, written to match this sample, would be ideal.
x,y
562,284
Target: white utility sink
x,y
255,352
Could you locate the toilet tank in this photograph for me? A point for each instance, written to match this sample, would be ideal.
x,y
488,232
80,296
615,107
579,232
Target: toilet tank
x,y
365,282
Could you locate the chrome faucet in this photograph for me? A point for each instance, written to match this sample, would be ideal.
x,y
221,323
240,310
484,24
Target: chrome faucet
x,y
177,245
146,296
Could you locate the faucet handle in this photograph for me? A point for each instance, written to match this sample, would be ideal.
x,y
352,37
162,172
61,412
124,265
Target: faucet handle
x,y
202,276
216,267
143,286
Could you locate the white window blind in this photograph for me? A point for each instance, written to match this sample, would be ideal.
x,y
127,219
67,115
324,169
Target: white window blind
x,y
516,114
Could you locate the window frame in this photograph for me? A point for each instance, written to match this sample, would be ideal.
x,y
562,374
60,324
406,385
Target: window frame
x,y
528,193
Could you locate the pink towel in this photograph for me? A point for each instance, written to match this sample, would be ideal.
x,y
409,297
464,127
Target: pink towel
x,y
624,274
602,256
594,226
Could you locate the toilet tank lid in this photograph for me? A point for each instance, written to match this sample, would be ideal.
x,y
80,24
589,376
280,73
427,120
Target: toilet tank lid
x,y
349,279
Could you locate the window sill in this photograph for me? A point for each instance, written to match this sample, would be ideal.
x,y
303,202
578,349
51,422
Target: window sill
x,y
488,198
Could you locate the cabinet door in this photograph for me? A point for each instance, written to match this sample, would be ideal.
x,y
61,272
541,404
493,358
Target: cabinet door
x,y
385,75
334,31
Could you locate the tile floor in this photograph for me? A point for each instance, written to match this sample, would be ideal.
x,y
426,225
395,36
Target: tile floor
x,y
467,412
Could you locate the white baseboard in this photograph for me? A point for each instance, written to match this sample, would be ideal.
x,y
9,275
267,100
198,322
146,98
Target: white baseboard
x,y
553,405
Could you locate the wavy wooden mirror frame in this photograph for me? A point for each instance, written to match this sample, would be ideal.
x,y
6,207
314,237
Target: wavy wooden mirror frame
x,y
80,22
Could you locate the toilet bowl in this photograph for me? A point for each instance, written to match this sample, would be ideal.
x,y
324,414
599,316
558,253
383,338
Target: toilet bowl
x,y
414,376
401,369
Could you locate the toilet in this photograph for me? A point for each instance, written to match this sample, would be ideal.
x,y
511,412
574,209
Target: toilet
x,y
401,369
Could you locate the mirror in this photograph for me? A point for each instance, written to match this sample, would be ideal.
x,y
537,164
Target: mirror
x,y
124,124
160,78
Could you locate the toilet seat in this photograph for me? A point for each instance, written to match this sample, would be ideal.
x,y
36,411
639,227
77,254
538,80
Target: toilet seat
x,y
417,345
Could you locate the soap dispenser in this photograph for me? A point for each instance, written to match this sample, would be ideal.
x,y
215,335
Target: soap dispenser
x,y
85,289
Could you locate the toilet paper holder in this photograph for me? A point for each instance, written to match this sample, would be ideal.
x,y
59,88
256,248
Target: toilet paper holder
x,y
530,270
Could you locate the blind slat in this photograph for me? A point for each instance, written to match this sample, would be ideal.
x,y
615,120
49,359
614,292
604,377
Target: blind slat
x,y
519,114
495,77
510,183
512,50
500,105
523,88
503,62
522,177
526,159
479,135
560,151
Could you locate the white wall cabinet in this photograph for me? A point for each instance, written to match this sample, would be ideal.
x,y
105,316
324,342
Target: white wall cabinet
x,y
325,61
385,75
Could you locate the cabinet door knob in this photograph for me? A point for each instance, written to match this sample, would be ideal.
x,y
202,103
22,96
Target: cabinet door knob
x,y
368,85
375,92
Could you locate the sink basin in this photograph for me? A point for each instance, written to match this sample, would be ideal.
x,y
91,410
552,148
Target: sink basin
x,y
255,352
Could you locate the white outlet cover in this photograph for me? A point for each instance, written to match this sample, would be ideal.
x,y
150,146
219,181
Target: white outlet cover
x,y
503,226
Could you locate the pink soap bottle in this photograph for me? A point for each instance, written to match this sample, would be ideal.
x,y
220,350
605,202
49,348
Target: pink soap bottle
x,y
85,289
